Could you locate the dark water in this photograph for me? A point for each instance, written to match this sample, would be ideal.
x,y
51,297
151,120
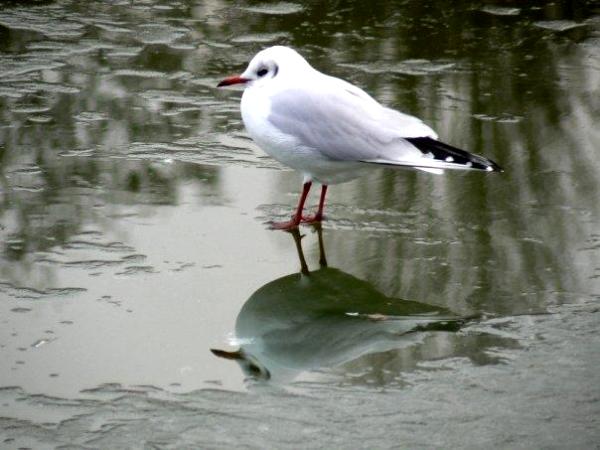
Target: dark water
x,y
439,311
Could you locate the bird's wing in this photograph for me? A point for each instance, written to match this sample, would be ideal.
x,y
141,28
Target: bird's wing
x,y
344,123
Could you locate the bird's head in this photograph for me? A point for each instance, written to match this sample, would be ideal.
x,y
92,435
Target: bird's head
x,y
269,64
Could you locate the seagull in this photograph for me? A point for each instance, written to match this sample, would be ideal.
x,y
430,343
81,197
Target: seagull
x,y
332,131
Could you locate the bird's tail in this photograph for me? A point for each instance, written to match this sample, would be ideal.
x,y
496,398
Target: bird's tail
x,y
454,157
437,156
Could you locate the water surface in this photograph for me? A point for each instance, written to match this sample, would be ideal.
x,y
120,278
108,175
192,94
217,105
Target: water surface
x,y
432,311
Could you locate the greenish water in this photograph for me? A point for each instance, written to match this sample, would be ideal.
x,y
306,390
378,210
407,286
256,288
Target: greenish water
x,y
454,311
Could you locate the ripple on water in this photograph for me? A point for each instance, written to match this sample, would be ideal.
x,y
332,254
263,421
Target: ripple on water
x,y
138,258
28,169
90,116
90,264
342,218
501,10
89,253
30,109
23,292
137,270
176,98
415,67
10,92
139,73
52,23
29,411
501,118
15,70
211,149
281,8
558,25
39,119
52,88
372,226
156,33
111,247
260,38
41,342
179,111
122,54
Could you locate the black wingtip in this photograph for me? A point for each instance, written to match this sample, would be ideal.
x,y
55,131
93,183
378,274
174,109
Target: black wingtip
x,y
445,152
495,167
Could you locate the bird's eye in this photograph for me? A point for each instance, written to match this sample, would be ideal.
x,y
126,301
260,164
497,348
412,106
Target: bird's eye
x,y
262,72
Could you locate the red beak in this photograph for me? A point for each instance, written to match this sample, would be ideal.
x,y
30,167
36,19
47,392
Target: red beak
x,y
236,79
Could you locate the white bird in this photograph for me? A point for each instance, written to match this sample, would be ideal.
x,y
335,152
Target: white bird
x,y
330,130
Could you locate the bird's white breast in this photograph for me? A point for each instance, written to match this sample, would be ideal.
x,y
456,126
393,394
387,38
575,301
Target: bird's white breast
x,y
256,107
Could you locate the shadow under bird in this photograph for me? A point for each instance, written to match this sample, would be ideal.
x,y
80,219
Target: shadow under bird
x,y
330,130
312,320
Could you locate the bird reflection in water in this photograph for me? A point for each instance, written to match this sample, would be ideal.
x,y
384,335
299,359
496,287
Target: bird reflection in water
x,y
324,318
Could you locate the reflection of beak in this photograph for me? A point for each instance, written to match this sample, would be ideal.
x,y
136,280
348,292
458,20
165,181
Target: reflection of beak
x,y
235,79
227,355
250,365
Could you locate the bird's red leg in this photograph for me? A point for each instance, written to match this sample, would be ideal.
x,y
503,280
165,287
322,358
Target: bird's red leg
x,y
296,218
318,217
